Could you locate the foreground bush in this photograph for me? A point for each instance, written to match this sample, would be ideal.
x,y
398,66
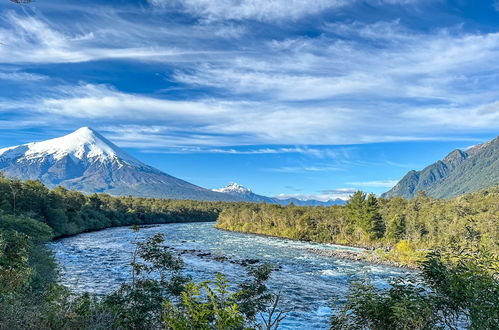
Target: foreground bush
x,y
457,288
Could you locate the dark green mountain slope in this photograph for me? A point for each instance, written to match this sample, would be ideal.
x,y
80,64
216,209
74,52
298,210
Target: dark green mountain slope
x,y
459,173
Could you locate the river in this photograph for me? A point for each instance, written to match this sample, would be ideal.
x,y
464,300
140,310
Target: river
x,y
98,262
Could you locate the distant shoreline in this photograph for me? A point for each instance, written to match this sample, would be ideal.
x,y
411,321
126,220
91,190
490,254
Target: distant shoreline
x,y
144,225
367,255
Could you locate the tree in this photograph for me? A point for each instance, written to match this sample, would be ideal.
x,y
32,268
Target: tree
x,y
356,206
155,278
395,230
217,305
208,305
158,294
356,212
364,214
372,222
457,287
405,305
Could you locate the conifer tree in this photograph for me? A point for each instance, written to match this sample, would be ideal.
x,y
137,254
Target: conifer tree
x,y
373,223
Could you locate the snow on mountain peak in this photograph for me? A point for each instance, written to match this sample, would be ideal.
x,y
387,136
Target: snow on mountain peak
x,y
84,143
234,187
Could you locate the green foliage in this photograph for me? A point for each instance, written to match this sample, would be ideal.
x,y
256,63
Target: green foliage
x,y
356,206
457,287
156,277
14,268
405,305
19,238
467,283
372,222
29,297
159,295
215,305
36,231
253,295
208,305
70,212
396,228
404,229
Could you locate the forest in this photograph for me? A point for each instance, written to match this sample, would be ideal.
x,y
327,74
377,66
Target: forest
x,y
70,212
398,229
453,242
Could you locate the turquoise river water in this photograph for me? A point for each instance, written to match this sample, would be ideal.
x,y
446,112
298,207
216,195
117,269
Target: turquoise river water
x,y
99,261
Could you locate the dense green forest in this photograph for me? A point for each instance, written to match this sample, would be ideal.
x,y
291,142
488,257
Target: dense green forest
x,y
158,294
459,275
402,230
70,212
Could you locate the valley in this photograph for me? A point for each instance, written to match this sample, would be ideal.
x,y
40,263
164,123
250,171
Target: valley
x,y
99,262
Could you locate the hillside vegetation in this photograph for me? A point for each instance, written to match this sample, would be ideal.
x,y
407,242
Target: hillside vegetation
x,y
460,172
403,230
460,275
70,212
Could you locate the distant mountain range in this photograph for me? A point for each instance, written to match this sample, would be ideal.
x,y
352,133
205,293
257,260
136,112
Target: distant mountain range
x,y
461,172
86,161
237,190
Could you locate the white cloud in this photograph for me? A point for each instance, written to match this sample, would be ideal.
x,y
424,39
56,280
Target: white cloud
x,y
482,116
380,61
284,86
313,152
104,102
33,39
21,76
301,169
261,10
375,184
217,122
355,83
341,193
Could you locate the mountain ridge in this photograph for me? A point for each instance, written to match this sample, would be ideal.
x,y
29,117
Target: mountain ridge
x,y
460,172
235,189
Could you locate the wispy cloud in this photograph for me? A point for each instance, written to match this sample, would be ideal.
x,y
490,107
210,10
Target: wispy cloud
x,y
301,169
21,76
348,82
221,122
326,195
339,191
261,10
34,39
377,61
314,152
375,184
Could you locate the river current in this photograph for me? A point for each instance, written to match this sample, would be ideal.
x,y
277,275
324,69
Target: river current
x,y
98,262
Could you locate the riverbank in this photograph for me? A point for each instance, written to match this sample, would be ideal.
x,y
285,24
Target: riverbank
x,y
364,254
145,225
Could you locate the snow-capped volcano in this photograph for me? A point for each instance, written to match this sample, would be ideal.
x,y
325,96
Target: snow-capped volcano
x,y
237,190
82,144
234,187
85,160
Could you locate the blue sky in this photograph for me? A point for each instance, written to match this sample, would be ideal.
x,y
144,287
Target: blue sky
x,y
307,98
